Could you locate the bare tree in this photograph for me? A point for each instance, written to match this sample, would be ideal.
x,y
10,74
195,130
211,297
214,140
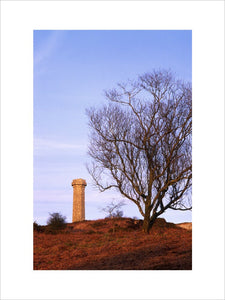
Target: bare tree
x,y
140,144
113,209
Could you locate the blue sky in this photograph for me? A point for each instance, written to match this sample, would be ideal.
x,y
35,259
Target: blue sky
x,y
71,71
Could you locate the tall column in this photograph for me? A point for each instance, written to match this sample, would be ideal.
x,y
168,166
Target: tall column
x,y
78,199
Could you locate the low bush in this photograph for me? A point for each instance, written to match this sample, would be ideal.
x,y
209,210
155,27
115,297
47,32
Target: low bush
x,y
37,227
113,209
56,222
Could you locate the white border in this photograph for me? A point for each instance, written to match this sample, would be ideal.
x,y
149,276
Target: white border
x,y
18,20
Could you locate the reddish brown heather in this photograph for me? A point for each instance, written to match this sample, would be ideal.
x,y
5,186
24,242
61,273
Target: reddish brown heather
x,y
114,244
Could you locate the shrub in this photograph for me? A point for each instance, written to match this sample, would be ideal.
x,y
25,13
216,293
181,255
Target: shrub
x,y
113,209
37,227
56,222
117,214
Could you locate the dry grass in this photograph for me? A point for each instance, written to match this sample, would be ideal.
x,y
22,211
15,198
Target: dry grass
x,y
187,226
114,244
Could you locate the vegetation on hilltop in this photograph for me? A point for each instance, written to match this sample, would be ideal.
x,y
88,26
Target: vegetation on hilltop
x,y
113,244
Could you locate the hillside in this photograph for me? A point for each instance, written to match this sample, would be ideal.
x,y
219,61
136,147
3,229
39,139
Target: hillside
x,y
114,244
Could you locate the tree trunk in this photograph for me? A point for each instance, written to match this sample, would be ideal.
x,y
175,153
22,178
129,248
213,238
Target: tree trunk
x,y
148,223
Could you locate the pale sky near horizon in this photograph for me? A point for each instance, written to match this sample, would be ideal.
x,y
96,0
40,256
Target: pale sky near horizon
x,y
71,71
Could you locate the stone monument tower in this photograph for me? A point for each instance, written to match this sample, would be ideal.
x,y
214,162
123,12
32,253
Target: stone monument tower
x,y
78,199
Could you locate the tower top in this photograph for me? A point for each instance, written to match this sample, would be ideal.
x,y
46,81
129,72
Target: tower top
x,y
79,181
